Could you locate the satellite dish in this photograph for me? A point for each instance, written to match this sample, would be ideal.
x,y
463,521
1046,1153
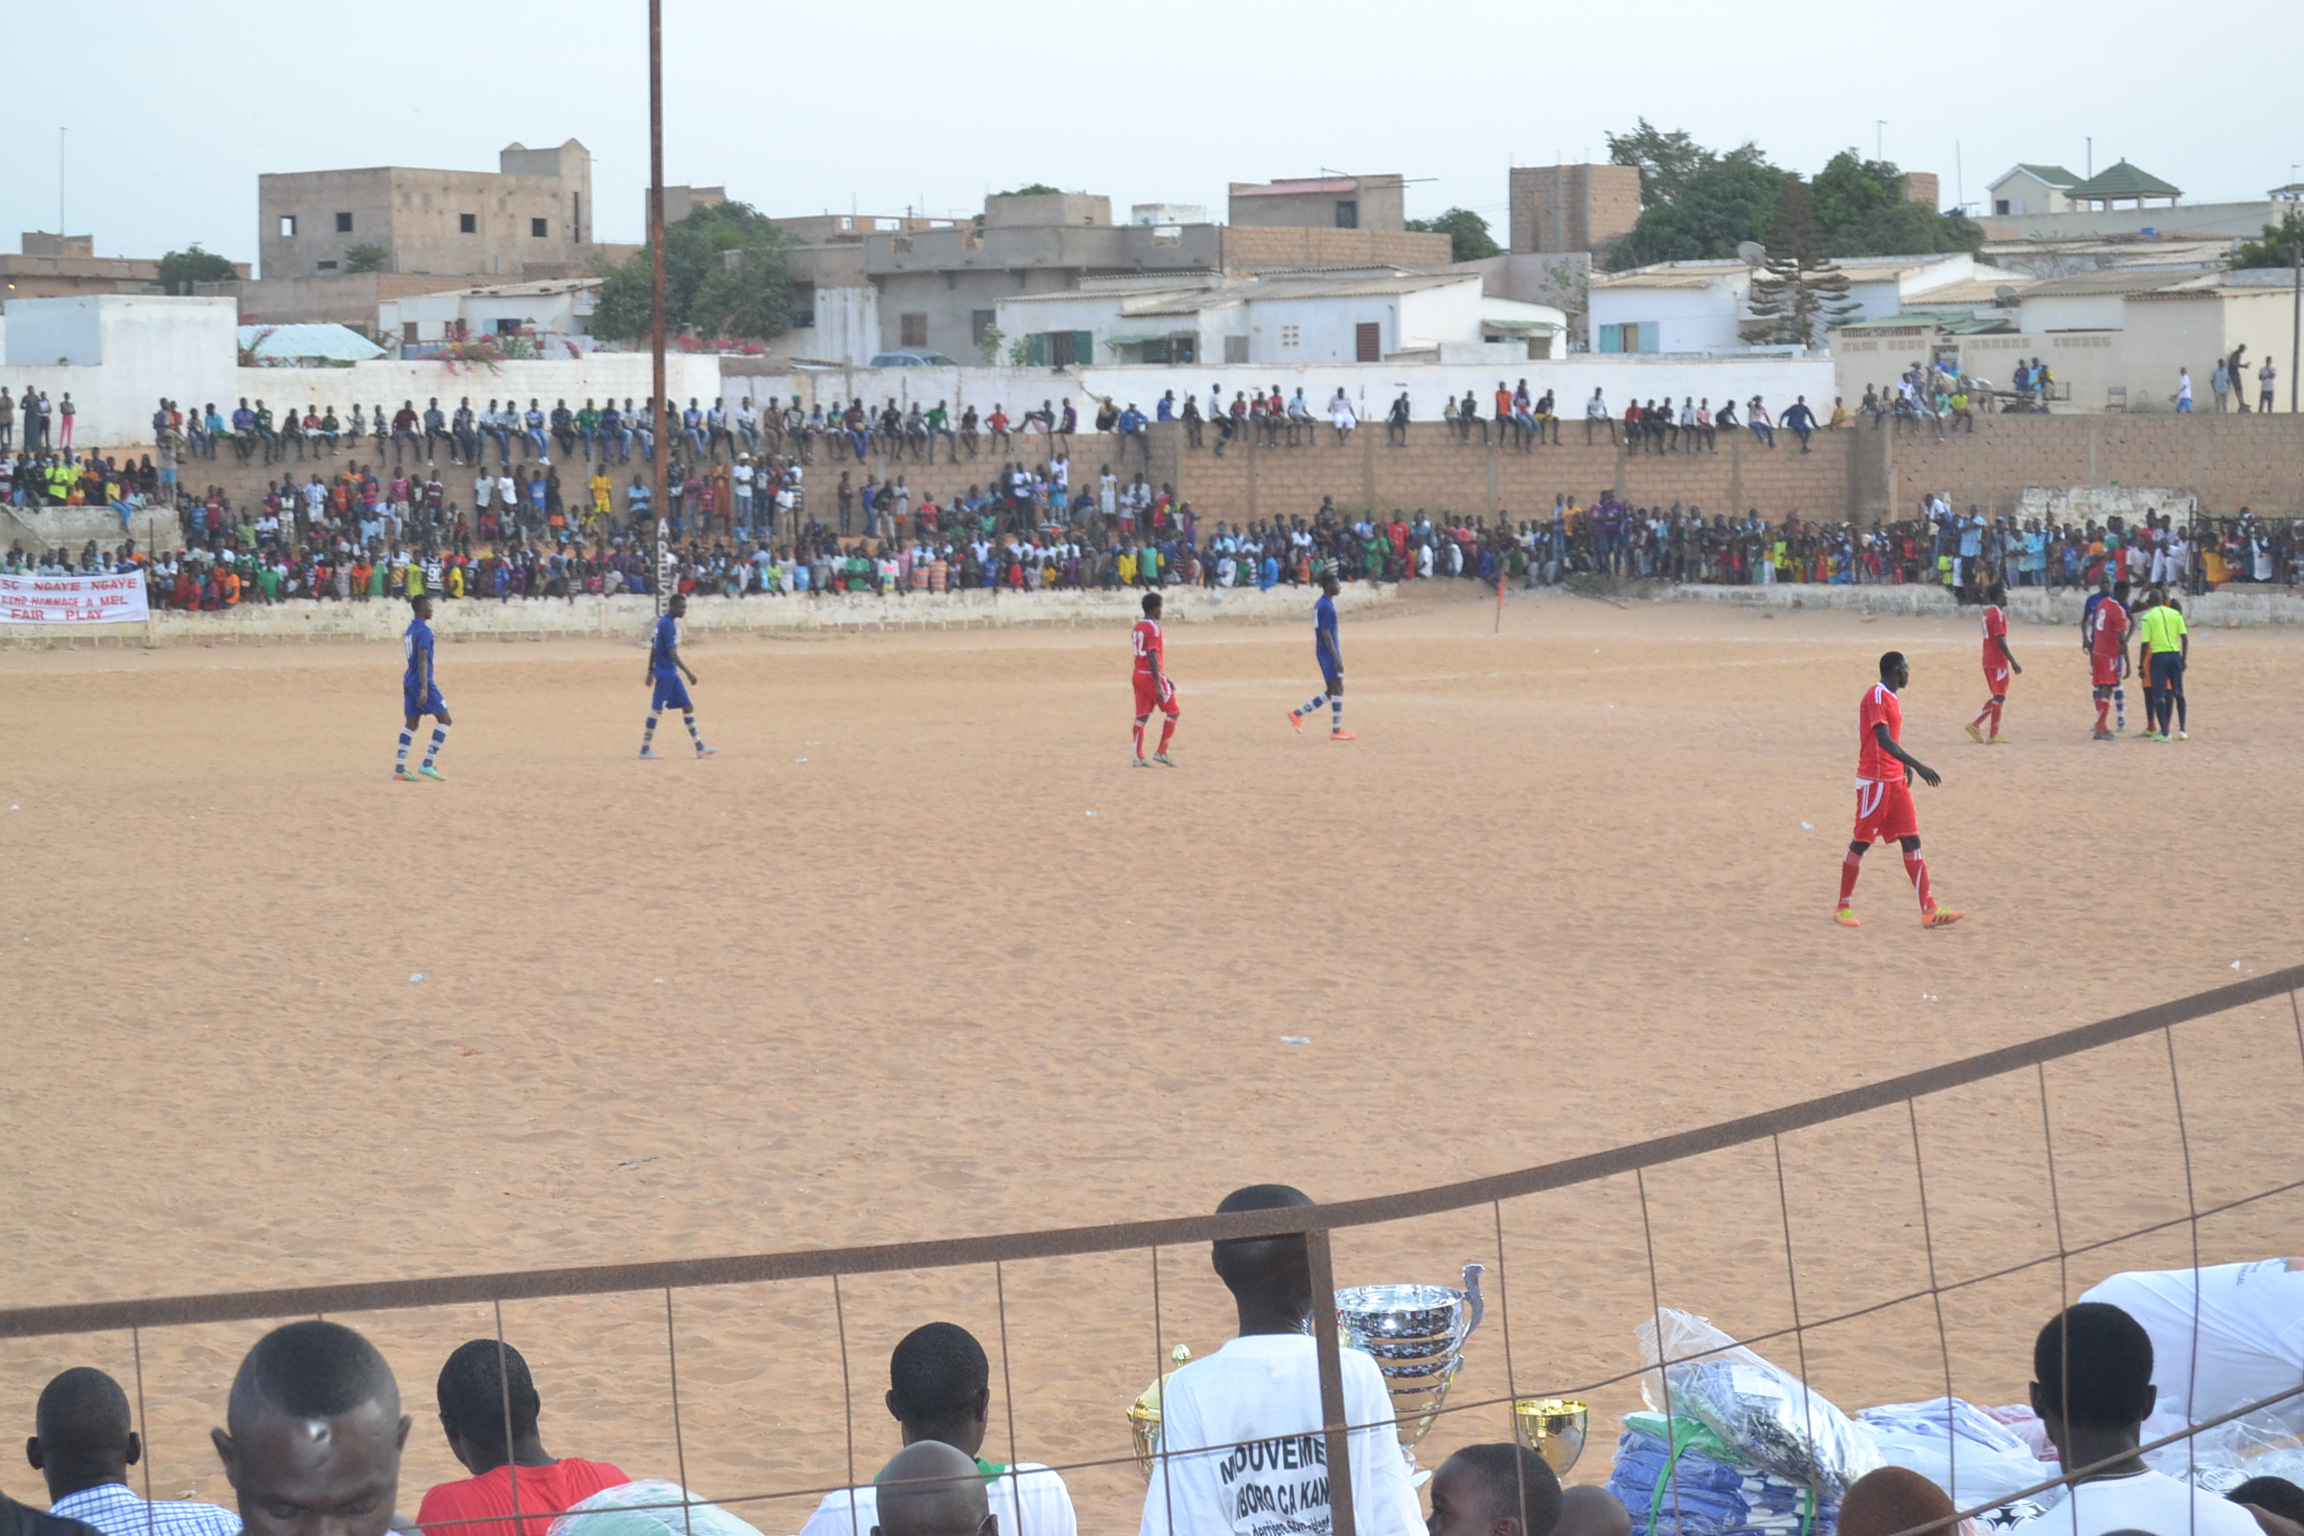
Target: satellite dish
x,y
1751,252
2003,295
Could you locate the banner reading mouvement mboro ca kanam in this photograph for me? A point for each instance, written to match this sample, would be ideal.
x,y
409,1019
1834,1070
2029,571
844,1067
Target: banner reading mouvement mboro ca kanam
x,y
108,599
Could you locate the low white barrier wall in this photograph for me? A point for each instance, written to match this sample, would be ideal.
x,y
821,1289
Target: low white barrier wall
x,y
2229,606
629,618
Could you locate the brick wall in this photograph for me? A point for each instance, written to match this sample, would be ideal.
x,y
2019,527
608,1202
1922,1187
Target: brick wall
x,y
2229,462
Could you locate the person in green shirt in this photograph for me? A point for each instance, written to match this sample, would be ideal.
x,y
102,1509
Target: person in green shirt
x,y
2167,646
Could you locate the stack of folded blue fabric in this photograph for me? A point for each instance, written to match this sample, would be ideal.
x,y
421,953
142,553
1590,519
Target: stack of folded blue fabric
x,y
1695,1484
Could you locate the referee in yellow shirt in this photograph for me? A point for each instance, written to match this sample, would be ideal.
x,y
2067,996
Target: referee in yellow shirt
x,y
2167,645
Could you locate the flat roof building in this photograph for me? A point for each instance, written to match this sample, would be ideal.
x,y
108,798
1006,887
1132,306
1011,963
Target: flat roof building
x,y
530,218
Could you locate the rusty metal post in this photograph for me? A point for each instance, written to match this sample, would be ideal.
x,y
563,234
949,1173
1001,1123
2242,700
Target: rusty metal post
x,y
657,505
1332,1418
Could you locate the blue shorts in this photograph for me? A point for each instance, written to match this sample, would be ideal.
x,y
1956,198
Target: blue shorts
x,y
671,693
2168,669
428,702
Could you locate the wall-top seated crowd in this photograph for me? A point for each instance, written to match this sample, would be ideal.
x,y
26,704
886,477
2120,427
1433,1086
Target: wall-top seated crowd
x,y
742,518
316,1428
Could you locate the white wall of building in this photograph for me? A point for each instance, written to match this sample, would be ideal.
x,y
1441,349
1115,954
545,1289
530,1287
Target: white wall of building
x,y
1686,319
140,348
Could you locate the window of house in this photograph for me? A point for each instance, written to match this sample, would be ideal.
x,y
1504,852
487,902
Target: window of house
x,y
507,327
1347,213
914,329
327,266
1235,349
408,330
537,227
1368,341
287,226
980,323
1290,335
2000,205
467,223
343,223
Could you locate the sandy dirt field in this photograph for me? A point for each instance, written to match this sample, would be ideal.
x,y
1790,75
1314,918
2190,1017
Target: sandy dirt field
x,y
877,972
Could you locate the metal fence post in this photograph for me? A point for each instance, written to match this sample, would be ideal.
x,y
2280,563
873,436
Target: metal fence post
x,y
1332,1419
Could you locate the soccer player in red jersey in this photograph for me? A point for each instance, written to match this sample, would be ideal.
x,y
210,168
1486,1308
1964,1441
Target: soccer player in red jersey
x,y
1884,773
1154,688
2108,653
1999,661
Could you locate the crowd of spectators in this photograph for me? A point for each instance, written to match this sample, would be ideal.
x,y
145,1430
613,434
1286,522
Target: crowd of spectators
x,y
534,524
315,1432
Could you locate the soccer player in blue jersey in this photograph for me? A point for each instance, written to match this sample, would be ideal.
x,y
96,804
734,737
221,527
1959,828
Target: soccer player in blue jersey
x,y
420,696
1331,665
664,670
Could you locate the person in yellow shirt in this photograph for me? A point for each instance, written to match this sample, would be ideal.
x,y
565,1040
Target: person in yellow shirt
x,y
602,491
2167,646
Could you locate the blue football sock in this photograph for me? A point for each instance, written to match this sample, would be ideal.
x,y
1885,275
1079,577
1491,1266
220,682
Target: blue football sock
x,y
1312,704
407,740
1336,711
649,735
439,740
690,722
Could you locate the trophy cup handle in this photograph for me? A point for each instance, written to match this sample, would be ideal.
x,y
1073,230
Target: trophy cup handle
x,y
1472,1274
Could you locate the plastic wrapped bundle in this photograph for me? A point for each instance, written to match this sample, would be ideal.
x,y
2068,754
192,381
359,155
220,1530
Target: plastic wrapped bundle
x,y
1960,1448
1697,1485
650,1507
1766,1414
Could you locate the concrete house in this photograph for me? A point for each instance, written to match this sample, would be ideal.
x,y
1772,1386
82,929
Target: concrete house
x,y
2032,189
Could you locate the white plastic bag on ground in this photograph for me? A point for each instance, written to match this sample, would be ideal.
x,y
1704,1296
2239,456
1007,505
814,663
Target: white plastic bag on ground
x,y
613,1512
1959,1448
1763,1411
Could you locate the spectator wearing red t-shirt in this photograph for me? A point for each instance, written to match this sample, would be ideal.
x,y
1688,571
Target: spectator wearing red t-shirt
x,y
474,1393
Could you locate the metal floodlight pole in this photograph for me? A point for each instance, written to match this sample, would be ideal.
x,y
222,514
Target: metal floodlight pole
x,y
658,503
2296,305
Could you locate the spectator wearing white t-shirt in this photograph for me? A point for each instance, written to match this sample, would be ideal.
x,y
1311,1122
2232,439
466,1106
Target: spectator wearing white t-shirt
x,y
1240,1432
2092,1387
940,1389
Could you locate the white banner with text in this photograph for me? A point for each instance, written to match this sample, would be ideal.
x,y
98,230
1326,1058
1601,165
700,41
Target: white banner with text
x,y
30,599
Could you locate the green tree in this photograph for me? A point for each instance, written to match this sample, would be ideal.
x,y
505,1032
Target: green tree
x,y
367,258
724,276
179,270
1721,205
988,345
2277,245
1032,189
1467,232
1799,294
1668,162
1864,209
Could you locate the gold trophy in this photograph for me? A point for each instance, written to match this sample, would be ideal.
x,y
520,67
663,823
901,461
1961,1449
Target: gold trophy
x,y
1144,1415
1552,1427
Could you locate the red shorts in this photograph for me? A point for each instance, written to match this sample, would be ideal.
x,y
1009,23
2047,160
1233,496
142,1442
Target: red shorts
x,y
1154,694
1884,811
1996,680
2106,670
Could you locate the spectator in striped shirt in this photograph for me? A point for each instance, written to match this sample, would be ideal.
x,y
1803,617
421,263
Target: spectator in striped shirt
x,y
84,1444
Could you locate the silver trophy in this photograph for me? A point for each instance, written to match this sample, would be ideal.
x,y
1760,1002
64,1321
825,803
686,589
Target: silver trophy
x,y
1417,1334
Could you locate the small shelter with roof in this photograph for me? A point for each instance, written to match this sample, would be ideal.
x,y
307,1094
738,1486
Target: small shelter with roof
x,y
2121,183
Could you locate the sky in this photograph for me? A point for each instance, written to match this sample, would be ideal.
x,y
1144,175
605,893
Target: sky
x,y
902,104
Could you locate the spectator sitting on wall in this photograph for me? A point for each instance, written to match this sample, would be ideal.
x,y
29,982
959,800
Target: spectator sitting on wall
x,y
83,1446
485,1389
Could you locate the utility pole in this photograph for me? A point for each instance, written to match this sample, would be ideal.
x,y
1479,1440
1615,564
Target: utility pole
x,y
1879,138
2296,306
60,183
660,427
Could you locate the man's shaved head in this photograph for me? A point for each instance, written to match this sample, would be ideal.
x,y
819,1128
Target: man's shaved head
x,y
83,1435
933,1489
315,1437
314,1370
1591,1510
